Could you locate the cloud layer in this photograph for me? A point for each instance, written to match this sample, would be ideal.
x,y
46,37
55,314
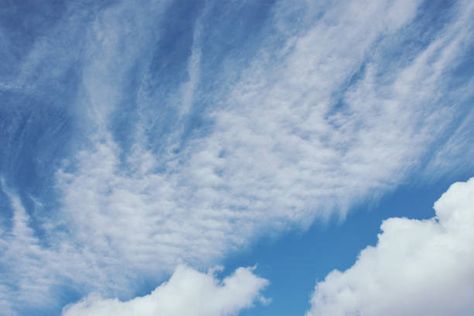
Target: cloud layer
x,y
285,143
175,154
188,292
418,267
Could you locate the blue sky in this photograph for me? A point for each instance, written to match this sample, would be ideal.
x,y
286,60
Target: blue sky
x,y
236,157
326,247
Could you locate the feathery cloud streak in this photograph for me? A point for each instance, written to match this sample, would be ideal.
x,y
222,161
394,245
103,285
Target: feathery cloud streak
x,y
311,125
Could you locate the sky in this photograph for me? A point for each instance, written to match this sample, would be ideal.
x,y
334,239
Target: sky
x,y
220,158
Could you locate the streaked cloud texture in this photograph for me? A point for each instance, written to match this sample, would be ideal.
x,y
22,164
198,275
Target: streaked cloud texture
x,y
138,136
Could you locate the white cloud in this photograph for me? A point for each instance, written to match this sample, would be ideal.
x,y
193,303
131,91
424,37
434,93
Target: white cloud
x,y
188,292
271,156
418,267
279,150
455,153
38,270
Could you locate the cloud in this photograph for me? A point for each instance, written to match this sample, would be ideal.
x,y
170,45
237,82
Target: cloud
x,y
279,150
37,269
276,164
313,123
455,152
188,292
418,267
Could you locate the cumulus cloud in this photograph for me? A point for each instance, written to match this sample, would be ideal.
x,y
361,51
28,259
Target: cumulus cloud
x,y
418,267
188,292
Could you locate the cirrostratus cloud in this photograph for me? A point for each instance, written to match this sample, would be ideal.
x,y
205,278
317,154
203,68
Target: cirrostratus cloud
x,y
188,292
418,267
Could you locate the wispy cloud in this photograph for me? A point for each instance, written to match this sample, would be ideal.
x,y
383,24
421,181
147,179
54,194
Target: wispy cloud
x,y
455,153
313,124
269,157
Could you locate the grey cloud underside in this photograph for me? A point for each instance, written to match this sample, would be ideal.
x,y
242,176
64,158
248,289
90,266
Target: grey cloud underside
x,y
186,159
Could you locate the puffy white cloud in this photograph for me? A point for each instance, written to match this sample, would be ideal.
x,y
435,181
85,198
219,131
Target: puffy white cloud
x,y
188,292
418,267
